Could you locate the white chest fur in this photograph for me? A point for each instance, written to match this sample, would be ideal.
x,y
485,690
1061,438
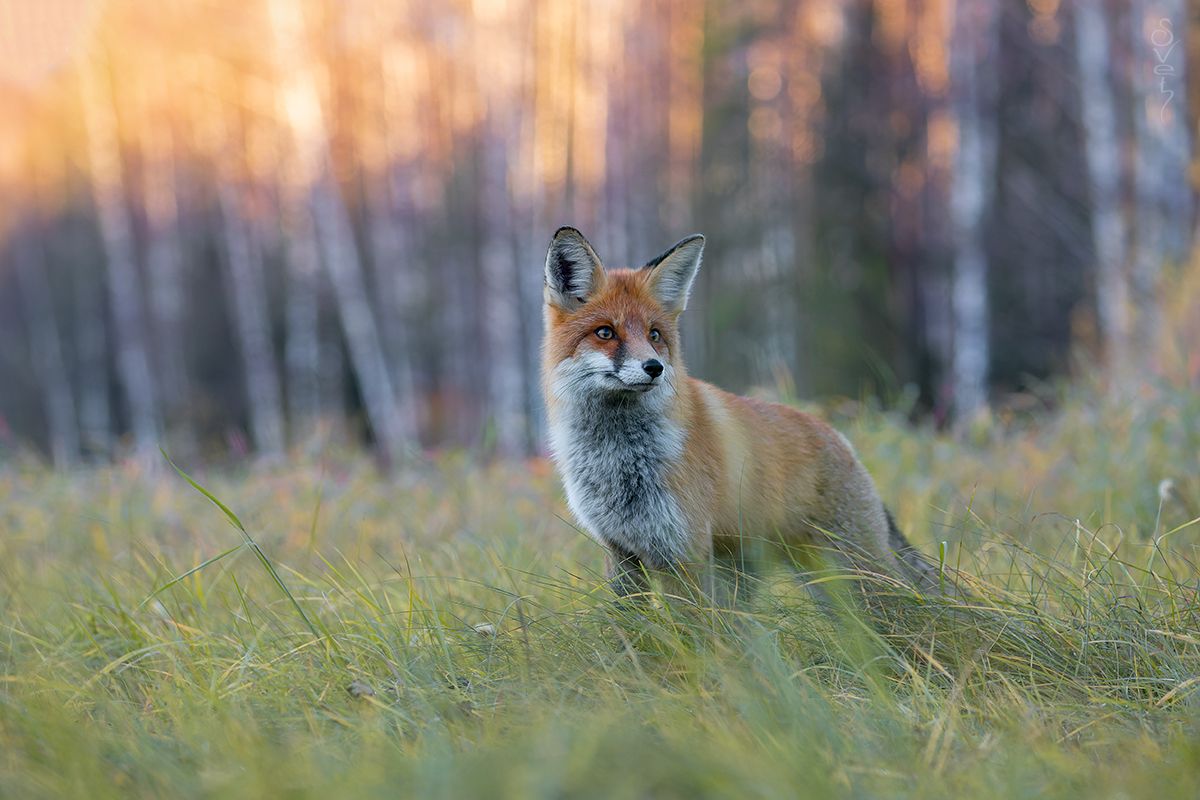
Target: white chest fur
x,y
614,454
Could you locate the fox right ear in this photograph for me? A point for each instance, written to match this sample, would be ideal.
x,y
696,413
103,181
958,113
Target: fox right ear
x,y
672,273
573,270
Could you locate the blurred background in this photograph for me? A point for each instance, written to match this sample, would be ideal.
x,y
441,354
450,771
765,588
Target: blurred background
x,y
241,227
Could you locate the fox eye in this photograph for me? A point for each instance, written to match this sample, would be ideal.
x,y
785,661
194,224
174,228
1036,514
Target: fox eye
x,y
655,335
605,332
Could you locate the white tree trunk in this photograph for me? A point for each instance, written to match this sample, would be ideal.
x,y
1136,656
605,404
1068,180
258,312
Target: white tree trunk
x,y
124,286
248,299
391,227
391,253
340,256
1103,153
1163,197
165,277
311,170
46,351
973,50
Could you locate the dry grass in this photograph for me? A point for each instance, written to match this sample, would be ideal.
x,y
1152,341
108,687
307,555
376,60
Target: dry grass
x,y
445,633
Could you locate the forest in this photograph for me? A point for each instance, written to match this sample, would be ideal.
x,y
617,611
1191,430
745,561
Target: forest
x,y
239,228
276,517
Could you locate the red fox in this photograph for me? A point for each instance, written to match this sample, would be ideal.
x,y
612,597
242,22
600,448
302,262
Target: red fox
x,y
674,475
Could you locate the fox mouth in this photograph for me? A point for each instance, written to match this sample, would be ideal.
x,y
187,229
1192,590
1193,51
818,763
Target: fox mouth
x,y
640,387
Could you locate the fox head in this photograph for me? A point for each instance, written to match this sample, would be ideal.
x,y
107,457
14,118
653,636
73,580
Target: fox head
x,y
615,333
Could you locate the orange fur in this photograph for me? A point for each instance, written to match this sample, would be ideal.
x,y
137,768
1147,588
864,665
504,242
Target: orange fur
x,y
750,470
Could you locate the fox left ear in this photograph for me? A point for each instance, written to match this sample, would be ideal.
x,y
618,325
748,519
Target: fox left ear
x,y
673,272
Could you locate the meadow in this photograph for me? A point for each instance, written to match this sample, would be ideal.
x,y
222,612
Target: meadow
x,y
444,631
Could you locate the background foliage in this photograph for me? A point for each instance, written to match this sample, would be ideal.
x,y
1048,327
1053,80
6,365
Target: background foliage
x,y
245,225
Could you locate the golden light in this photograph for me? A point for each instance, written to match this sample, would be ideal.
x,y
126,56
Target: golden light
x,y
38,37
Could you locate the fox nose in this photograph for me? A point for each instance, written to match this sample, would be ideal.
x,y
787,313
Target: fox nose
x,y
653,367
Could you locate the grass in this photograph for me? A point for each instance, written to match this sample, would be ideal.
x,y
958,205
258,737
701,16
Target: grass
x,y
444,633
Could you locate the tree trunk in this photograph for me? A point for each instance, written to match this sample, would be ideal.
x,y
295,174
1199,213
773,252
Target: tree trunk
x,y
91,356
313,169
394,262
392,225
165,277
124,289
45,346
498,256
1103,152
1162,194
248,299
340,255
973,51
302,348
501,285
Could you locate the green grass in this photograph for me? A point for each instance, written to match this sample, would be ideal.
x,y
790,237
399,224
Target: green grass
x,y
364,669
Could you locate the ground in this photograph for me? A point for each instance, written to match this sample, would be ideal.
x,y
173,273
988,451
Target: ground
x,y
444,632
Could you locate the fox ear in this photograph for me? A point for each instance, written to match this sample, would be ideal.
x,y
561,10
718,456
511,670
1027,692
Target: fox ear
x,y
673,272
573,270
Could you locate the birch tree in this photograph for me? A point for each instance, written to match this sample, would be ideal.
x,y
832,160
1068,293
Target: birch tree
x,y
164,273
304,120
973,49
1103,153
1162,195
116,231
392,222
248,301
395,264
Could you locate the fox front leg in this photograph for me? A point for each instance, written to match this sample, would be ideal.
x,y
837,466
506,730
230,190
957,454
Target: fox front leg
x,y
626,573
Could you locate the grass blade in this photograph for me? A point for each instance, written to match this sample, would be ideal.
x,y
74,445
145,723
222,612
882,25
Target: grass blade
x,y
189,573
249,540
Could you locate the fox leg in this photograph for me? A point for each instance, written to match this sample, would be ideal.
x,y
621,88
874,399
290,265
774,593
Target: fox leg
x,y
626,573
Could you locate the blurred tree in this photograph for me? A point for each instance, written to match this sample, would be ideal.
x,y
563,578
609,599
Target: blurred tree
x,y
918,199
973,88
124,284
1162,194
165,270
45,345
391,224
91,346
1038,234
309,146
1103,150
248,300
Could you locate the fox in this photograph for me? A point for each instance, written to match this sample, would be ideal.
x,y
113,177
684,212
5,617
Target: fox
x,y
673,476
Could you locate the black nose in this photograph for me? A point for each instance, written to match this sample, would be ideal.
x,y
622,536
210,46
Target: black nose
x,y
653,367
